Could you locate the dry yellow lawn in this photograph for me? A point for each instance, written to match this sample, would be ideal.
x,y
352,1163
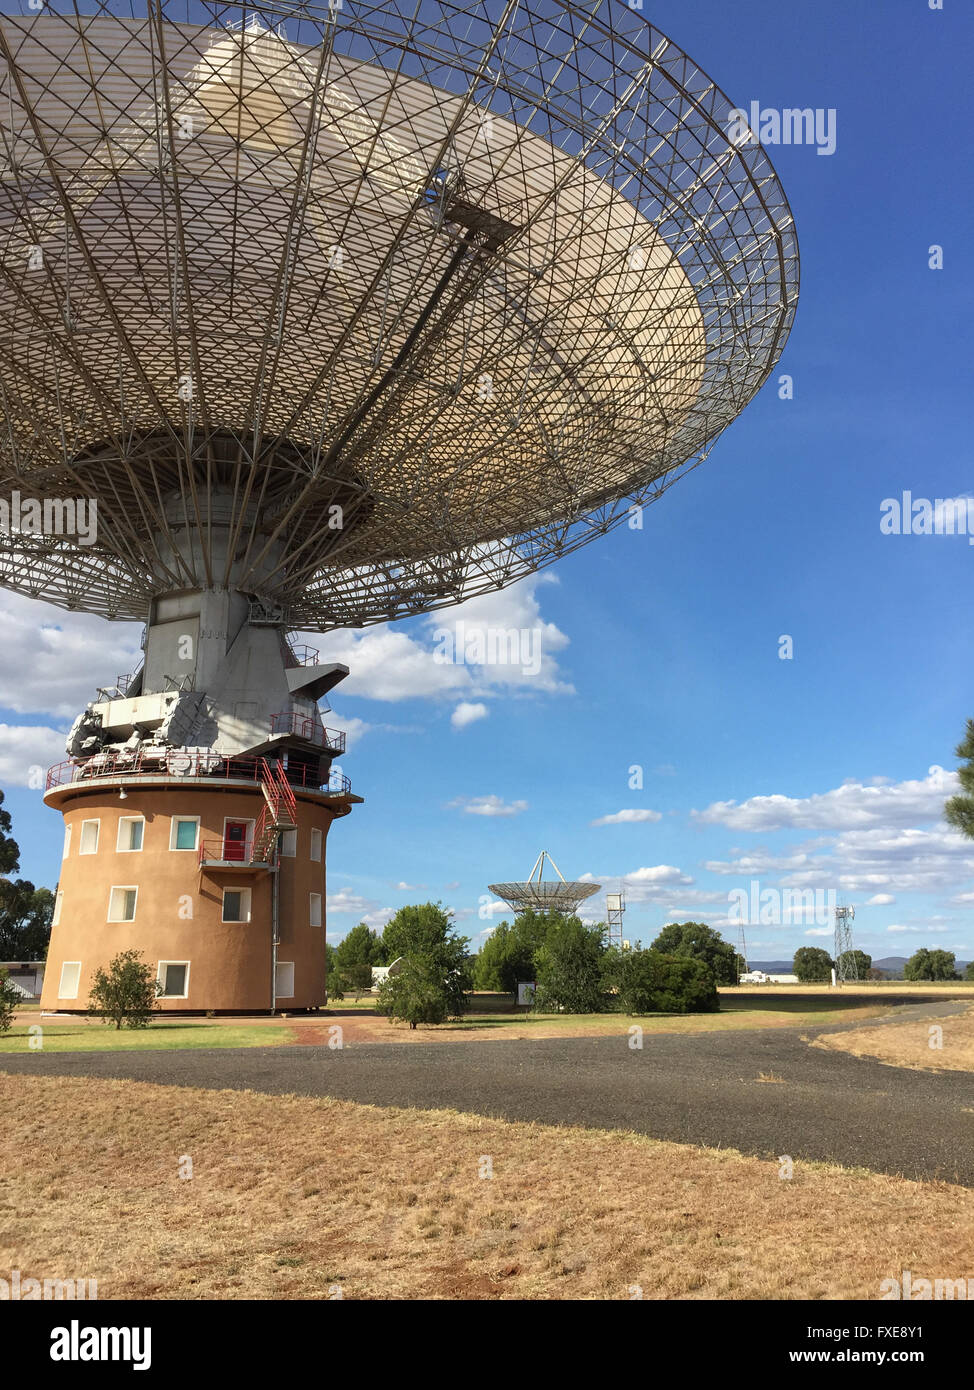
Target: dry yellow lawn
x,y
298,1198
909,1044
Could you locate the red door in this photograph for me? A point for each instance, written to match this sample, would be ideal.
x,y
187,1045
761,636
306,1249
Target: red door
x,y
235,840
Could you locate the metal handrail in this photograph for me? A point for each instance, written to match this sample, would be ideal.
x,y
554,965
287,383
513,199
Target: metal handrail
x,y
178,763
307,727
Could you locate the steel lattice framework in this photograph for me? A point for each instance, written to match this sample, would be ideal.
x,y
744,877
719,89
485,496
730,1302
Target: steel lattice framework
x,y
545,894
364,310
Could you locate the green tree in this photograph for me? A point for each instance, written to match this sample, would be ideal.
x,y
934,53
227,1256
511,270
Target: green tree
x,y
510,952
651,982
699,942
859,960
414,928
10,998
419,993
812,965
125,994
9,849
969,971
931,965
355,956
25,920
959,810
569,967
426,930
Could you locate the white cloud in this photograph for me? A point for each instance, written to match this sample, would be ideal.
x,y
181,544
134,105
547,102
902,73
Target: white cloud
x,y
882,900
53,661
467,713
386,663
347,901
853,806
489,806
627,817
26,752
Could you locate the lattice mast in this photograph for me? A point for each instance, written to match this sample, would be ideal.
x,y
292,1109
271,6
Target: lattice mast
x,y
845,961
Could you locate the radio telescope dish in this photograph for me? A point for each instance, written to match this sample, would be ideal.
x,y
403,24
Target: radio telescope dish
x,y
545,895
361,310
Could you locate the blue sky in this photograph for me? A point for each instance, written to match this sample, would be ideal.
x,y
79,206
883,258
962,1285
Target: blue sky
x,y
661,646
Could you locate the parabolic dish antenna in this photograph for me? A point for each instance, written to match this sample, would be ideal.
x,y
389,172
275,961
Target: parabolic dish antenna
x,y
545,895
359,310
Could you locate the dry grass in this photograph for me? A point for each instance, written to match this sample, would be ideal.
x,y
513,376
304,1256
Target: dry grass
x,y
294,1198
908,1044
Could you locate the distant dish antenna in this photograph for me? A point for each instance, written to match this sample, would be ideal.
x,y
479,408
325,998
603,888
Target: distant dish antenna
x,y
545,895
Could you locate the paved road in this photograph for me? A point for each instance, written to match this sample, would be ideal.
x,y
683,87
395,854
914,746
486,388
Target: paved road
x,y
694,1088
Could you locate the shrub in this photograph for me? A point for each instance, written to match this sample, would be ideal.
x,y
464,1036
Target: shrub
x,y
652,982
419,993
125,994
570,969
9,999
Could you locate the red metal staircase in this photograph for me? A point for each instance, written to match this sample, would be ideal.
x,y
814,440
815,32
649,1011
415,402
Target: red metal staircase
x,y
279,813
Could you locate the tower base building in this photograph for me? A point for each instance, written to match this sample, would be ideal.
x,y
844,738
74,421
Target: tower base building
x,y
196,818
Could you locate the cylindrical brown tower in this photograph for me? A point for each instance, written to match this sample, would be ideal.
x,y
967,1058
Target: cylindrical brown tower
x,y
218,880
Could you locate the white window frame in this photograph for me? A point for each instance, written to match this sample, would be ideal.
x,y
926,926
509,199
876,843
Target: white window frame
x,y
173,822
161,978
67,842
317,838
127,849
74,964
289,837
314,909
81,838
248,841
246,894
279,993
123,888
56,914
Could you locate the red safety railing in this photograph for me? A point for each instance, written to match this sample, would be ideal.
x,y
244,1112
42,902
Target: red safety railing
x,y
179,763
308,727
302,655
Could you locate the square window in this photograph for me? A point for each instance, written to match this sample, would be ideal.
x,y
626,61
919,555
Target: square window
x,y
316,845
70,979
314,909
185,832
289,843
174,978
236,904
56,915
121,904
89,837
284,980
130,833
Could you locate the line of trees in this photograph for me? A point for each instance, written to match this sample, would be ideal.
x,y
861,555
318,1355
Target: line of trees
x,y
25,911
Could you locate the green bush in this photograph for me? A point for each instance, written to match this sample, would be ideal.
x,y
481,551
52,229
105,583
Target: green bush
x,y
9,1000
419,993
125,994
654,983
569,968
